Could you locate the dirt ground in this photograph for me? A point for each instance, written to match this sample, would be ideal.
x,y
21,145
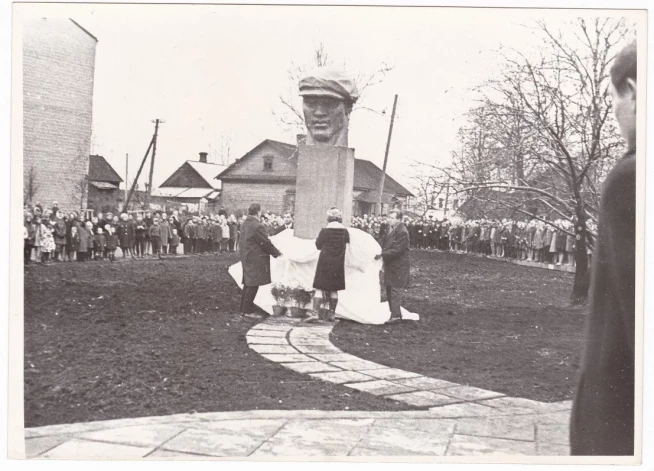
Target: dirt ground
x,y
130,339
484,322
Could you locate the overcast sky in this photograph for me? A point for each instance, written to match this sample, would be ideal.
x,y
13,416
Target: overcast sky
x,y
212,70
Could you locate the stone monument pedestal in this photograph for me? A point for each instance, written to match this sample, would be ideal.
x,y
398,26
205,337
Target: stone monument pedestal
x,y
325,178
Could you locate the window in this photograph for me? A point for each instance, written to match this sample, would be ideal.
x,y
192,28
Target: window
x,y
268,163
456,204
440,203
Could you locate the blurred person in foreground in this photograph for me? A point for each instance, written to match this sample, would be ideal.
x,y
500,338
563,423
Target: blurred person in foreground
x,y
602,421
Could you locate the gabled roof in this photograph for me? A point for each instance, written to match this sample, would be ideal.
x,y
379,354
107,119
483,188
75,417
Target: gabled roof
x,y
284,150
367,176
101,171
208,172
194,174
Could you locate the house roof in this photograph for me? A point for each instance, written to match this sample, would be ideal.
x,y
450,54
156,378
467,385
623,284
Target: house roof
x,y
103,185
208,172
366,174
177,192
372,196
283,149
101,171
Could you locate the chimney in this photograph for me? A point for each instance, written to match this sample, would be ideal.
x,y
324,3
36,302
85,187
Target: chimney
x,y
203,157
301,139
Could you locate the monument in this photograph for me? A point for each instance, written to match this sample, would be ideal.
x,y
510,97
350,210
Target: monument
x,y
325,174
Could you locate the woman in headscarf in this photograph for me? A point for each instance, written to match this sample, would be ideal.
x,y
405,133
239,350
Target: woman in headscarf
x,y
330,272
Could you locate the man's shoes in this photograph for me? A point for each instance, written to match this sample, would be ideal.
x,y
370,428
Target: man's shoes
x,y
252,316
393,320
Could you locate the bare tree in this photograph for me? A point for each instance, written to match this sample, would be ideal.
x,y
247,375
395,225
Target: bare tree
x,y
428,184
551,115
289,111
221,149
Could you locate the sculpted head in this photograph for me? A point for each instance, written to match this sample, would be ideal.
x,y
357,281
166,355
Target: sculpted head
x,y
328,96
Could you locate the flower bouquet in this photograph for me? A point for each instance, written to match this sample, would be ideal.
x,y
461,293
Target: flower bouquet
x,y
282,295
301,298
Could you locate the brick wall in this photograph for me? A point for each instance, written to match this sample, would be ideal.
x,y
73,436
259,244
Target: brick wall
x,y
238,196
58,70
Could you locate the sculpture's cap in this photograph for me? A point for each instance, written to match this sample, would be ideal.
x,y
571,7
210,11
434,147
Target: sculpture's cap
x,y
325,81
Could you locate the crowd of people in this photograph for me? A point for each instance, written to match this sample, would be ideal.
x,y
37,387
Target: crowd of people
x,y
52,235
534,241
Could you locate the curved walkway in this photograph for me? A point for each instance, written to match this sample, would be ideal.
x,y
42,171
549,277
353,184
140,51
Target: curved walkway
x,y
457,421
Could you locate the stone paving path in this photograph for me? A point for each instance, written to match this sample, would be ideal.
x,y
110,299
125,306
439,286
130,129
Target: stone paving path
x,y
457,421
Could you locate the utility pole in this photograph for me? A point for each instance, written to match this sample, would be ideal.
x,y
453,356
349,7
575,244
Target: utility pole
x,y
388,145
154,151
138,174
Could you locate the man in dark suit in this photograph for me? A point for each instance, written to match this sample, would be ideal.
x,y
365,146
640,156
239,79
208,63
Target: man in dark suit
x,y
288,223
255,251
395,252
602,420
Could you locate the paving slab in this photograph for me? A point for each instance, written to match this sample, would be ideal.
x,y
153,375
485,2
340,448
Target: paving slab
x,y
77,449
176,455
340,377
266,340
287,358
403,442
142,435
431,426
285,349
36,446
425,383
312,349
311,367
310,341
424,398
390,374
513,403
467,445
465,409
315,438
357,365
380,387
332,357
468,393
550,449
558,434
267,326
214,443
515,428
267,333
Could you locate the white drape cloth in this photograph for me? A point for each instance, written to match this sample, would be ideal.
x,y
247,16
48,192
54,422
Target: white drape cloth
x,y
359,301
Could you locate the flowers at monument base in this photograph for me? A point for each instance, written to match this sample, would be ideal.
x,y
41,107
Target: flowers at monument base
x,y
292,294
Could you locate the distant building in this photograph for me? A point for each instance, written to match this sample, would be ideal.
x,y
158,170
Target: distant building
x,y
267,175
58,73
103,185
190,187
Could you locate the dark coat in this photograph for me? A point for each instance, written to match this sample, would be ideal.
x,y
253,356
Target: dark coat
x,y
125,233
602,421
330,272
395,252
281,228
255,251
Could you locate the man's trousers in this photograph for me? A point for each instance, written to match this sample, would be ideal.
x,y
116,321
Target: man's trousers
x,y
247,299
394,296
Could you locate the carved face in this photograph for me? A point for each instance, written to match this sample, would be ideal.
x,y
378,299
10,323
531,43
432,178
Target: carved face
x,y
327,120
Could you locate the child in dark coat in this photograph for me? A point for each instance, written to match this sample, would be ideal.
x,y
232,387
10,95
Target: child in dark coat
x,y
99,244
112,242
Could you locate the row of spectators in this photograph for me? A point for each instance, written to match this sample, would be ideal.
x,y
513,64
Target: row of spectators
x,y
53,235
535,241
